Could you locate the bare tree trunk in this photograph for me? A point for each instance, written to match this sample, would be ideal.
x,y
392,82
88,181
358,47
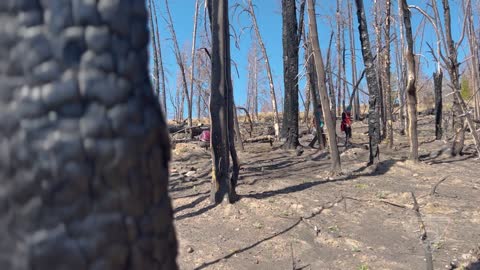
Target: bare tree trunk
x,y
437,85
276,119
181,65
156,77
373,88
400,79
308,103
221,106
238,134
192,70
331,132
161,75
452,65
338,44
291,41
388,86
355,96
329,78
411,83
312,83
474,47
379,68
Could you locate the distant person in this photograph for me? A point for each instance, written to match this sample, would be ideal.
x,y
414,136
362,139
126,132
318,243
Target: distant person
x,y
346,125
205,139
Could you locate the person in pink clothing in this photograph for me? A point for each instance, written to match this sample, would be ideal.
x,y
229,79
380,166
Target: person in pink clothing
x,y
205,139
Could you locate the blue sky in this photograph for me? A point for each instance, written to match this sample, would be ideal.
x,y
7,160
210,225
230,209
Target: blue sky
x,y
270,23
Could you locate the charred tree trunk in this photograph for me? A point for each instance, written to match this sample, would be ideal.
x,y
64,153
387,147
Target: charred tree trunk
x,y
411,83
331,132
388,85
355,95
452,66
221,106
291,41
373,88
379,68
76,187
437,82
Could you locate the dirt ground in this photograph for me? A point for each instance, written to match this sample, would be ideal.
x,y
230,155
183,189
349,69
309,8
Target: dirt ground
x,y
292,215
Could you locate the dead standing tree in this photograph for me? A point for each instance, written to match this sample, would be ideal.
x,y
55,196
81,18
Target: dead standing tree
x,y
355,96
192,57
291,36
373,88
180,63
160,74
411,82
221,106
387,79
276,119
320,69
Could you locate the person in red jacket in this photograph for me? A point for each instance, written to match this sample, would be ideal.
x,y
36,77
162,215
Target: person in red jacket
x,y
346,125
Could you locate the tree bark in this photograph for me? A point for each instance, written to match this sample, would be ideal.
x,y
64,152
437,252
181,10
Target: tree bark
x,y
388,85
331,132
373,88
315,97
276,118
379,69
437,82
355,96
192,57
221,106
411,83
291,42
452,65
80,178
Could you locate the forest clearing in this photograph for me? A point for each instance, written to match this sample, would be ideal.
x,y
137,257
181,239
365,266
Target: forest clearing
x,y
293,215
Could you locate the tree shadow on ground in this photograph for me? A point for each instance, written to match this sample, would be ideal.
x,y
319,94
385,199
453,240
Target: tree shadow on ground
x,y
190,205
204,265
380,169
197,213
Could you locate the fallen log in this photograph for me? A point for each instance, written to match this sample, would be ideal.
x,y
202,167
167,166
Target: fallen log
x,y
261,139
195,130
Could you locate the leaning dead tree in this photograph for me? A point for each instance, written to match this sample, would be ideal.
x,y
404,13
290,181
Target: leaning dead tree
x,y
411,82
180,63
320,68
276,118
373,88
291,36
461,110
222,106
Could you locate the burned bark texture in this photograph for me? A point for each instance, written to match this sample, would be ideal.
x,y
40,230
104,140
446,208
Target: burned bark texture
x,y
411,89
84,148
291,42
373,87
321,83
221,107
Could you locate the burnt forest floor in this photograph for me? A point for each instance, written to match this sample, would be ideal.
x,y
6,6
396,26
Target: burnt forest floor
x,y
293,215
